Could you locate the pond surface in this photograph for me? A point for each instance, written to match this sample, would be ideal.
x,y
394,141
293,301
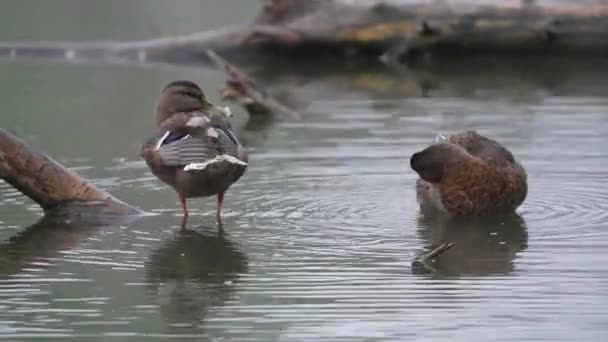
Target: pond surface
x,y
321,232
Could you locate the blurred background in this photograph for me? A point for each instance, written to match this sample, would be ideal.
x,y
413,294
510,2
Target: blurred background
x,y
116,19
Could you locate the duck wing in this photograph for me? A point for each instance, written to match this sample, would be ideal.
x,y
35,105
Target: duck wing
x,y
185,150
191,142
481,147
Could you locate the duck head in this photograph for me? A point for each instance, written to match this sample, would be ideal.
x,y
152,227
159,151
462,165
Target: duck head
x,y
431,162
183,97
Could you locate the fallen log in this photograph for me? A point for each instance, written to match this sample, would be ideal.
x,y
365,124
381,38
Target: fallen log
x,y
351,29
454,26
56,189
241,88
74,208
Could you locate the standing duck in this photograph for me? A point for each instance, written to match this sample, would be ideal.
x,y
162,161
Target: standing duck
x,y
194,149
467,174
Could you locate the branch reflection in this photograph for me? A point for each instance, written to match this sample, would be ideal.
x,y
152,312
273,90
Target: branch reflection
x,y
481,246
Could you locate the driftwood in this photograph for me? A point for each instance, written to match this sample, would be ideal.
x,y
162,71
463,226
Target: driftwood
x,y
73,207
241,88
56,189
433,26
311,28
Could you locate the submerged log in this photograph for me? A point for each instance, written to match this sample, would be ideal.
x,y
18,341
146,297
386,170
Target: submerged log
x,y
73,207
56,189
356,28
241,88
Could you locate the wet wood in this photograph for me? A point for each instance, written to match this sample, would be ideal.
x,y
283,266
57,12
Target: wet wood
x,y
55,188
425,262
74,208
310,28
241,88
437,26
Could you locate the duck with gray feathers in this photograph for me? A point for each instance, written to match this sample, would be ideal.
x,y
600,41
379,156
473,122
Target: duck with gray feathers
x,y
467,174
194,150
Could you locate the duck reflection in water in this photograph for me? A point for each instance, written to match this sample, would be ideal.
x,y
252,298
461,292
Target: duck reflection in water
x,y
191,273
482,246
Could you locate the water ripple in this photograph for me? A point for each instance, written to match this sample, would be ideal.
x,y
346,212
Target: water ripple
x,y
320,234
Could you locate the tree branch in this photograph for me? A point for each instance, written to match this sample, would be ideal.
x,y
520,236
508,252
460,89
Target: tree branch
x,y
48,183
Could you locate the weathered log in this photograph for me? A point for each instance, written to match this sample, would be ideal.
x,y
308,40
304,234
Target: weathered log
x,y
313,27
73,207
45,181
242,89
438,26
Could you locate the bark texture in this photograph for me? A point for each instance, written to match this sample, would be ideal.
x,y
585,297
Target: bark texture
x,y
244,90
48,183
356,28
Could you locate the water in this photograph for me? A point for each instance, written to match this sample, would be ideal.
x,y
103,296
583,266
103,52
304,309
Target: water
x,y
322,229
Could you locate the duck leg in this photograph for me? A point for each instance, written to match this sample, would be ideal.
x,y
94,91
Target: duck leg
x,y
182,201
220,201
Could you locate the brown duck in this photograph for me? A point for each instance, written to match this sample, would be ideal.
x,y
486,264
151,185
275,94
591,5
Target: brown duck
x,y
467,174
194,150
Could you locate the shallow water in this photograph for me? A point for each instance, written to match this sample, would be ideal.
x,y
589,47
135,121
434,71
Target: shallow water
x,y
323,228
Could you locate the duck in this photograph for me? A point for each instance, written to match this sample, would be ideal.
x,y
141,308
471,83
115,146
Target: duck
x,y
466,174
194,149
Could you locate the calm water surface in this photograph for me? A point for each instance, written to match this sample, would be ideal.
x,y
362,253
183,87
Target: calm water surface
x,y
322,230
